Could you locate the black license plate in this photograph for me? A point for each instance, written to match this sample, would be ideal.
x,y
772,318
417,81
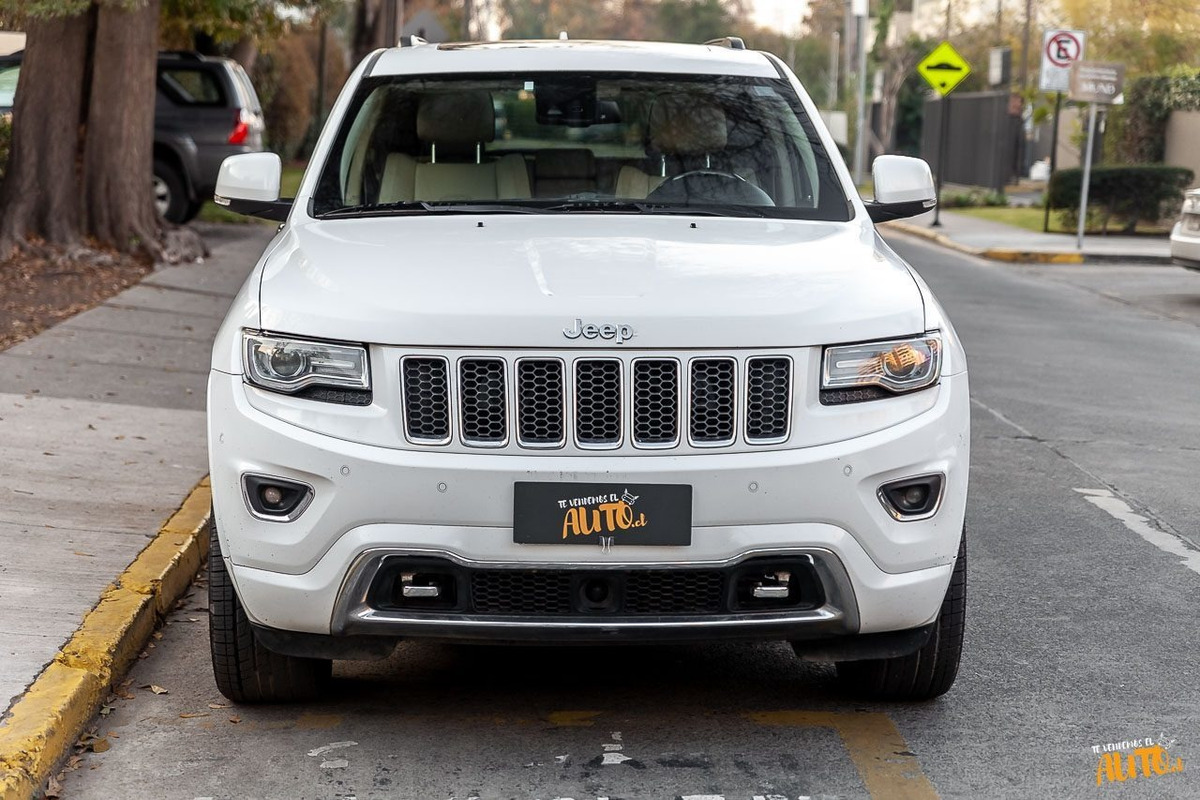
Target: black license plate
x,y
604,514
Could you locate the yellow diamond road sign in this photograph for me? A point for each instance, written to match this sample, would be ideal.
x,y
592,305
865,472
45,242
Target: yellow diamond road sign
x,y
944,68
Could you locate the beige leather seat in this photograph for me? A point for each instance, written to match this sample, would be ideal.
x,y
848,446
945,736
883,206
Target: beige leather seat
x,y
564,171
455,126
681,126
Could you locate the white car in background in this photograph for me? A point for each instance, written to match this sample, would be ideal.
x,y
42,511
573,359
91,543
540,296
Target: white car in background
x,y
1185,236
626,362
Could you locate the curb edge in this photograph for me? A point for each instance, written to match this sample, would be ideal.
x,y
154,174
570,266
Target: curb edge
x,y
51,714
1015,256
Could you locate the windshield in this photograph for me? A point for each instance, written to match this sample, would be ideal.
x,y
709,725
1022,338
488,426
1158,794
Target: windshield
x,y
557,142
8,84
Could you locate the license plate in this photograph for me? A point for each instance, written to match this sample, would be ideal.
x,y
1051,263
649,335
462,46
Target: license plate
x,y
1192,222
604,514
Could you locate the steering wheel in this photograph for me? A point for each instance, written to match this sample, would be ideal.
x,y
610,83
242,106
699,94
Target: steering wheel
x,y
709,186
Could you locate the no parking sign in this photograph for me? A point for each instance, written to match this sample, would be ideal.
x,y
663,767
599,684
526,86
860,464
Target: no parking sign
x,y
1060,49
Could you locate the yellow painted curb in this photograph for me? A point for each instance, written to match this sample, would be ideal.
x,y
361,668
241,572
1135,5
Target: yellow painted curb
x,y
1005,254
51,715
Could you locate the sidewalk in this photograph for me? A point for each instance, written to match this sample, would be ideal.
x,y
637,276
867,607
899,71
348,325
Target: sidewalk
x,y
101,439
1001,242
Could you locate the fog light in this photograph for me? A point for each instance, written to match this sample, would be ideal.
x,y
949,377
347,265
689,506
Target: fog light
x,y
275,499
912,498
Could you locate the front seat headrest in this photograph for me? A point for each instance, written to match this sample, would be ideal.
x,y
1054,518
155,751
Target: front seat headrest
x,y
462,118
686,125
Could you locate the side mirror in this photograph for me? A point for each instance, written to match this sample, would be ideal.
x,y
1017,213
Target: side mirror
x,y
903,188
249,184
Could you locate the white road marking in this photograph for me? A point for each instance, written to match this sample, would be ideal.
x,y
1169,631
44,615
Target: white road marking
x,y
1120,510
335,763
323,749
611,748
614,758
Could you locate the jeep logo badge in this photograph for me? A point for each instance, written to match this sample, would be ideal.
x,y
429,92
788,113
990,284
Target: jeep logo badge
x,y
621,333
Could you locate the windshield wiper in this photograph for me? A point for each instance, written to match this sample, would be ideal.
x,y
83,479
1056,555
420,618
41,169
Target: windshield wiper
x,y
640,207
423,207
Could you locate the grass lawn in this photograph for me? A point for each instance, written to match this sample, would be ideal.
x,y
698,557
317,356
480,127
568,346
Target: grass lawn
x,y
1030,219
288,185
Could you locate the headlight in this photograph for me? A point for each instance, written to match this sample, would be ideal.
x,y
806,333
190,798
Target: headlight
x,y
289,365
899,365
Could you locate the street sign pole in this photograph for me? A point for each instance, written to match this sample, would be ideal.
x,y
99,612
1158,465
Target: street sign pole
x,y
943,141
1087,174
943,69
1053,160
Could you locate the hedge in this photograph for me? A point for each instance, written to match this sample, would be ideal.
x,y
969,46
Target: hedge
x,y
1146,193
1149,101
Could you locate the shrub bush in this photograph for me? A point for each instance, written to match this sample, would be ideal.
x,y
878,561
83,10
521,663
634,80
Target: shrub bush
x,y
1148,193
973,198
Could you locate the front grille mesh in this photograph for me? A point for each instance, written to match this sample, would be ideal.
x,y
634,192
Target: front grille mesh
x,y
426,399
598,402
651,400
558,592
484,401
768,398
655,401
712,405
540,402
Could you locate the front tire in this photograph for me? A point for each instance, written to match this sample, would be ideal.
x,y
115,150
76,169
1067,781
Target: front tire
x,y
930,671
245,671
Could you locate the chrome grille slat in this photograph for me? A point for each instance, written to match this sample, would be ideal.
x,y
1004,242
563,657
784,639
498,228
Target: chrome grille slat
x,y
541,403
483,399
768,399
426,387
598,403
712,399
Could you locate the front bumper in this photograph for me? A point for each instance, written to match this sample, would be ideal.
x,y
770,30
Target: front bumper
x,y
1185,245
372,503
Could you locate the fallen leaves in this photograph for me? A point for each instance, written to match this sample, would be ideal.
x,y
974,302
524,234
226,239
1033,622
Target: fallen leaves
x,y
194,714
154,687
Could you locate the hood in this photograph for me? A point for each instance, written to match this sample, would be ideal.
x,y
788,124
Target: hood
x,y
522,281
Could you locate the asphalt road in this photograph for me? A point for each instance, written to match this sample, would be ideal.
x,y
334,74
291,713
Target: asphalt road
x,y
1084,580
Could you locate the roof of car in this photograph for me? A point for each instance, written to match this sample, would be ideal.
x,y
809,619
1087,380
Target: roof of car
x,y
555,55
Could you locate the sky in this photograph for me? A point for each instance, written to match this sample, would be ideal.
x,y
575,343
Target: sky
x,y
783,15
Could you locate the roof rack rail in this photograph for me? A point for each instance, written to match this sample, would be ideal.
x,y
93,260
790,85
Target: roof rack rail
x,y
732,42
189,55
411,41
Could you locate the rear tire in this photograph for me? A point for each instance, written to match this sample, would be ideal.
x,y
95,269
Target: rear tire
x,y
170,193
245,671
930,671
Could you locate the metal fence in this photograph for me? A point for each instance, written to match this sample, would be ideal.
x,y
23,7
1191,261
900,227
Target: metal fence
x,y
982,138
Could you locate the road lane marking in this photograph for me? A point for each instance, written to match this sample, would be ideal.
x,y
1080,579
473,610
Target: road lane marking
x,y
1117,508
884,762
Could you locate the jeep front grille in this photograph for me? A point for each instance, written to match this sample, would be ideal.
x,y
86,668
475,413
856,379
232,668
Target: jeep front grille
x,y
608,403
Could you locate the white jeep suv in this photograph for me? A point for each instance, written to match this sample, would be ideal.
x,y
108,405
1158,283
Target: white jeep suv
x,y
583,342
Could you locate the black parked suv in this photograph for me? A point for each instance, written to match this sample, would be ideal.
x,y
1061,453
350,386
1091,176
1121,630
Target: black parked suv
x,y
205,109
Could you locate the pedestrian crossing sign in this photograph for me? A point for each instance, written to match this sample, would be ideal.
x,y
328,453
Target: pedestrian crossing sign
x,y
944,68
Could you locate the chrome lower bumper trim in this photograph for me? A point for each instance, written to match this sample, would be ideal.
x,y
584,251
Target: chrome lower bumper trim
x,y
353,614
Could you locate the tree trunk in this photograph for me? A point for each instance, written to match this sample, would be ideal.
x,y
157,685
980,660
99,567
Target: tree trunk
x,y
119,140
40,195
245,52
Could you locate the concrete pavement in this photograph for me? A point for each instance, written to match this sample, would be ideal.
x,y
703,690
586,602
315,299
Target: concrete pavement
x,y
1000,242
101,438
1085,444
